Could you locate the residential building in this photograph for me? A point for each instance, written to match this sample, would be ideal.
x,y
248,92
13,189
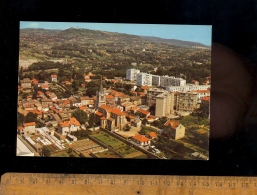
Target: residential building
x,y
156,80
201,94
141,140
131,74
151,95
75,101
186,101
189,87
54,78
152,135
26,83
171,81
144,79
164,104
69,126
29,128
174,129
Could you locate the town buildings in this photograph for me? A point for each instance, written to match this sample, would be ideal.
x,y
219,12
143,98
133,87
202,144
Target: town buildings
x,y
186,101
144,79
131,74
69,126
174,129
189,87
164,104
26,83
54,78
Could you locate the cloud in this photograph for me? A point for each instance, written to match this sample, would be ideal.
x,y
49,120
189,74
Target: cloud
x,y
33,24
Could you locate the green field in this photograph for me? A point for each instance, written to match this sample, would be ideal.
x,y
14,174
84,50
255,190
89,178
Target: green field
x,y
118,146
64,153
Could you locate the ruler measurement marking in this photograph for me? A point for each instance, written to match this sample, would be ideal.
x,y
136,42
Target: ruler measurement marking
x,y
191,183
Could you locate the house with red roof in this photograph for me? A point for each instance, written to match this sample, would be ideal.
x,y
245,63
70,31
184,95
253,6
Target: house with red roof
x,y
143,112
141,140
201,94
53,77
174,129
68,126
34,81
27,128
152,135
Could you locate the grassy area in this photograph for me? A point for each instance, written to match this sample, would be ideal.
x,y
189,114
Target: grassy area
x,y
107,154
118,146
64,153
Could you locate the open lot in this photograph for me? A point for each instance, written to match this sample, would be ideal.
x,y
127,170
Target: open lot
x,y
133,131
85,146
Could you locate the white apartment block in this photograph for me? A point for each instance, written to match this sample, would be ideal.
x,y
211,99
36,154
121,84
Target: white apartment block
x,y
187,88
171,81
131,74
156,80
144,79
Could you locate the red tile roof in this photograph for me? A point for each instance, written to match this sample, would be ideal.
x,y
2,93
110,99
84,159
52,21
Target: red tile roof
x,y
206,98
202,91
64,124
173,124
40,93
117,111
141,138
99,114
109,109
152,134
35,112
20,128
143,111
73,121
35,81
82,108
109,96
145,87
54,76
29,124
134,108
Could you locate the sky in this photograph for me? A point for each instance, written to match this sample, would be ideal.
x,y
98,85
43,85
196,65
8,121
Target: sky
x,y
194,33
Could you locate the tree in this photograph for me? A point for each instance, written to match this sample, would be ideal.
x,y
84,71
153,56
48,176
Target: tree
x,y
145,121
127,127
21,119
30,117
81,116
46,151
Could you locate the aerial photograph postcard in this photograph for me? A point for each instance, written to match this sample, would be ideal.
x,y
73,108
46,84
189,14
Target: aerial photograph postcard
x,y
114,90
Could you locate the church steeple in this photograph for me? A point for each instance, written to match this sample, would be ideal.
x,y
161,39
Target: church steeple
x,y
100,95
101,90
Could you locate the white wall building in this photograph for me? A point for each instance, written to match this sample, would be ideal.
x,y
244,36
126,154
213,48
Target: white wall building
x,y
171,81
144,79
185,88
156,80
131,74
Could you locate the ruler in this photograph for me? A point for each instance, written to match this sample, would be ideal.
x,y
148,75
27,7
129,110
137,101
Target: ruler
x,y
45,184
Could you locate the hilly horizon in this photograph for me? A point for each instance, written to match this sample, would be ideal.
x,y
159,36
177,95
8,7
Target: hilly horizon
x,y
95,33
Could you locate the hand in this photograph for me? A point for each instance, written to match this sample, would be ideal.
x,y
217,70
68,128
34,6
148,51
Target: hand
x,y
231,87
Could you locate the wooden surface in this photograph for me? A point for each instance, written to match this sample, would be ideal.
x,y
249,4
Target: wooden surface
x,y
45,184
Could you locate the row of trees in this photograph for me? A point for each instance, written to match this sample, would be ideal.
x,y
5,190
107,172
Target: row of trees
x,y
30,117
